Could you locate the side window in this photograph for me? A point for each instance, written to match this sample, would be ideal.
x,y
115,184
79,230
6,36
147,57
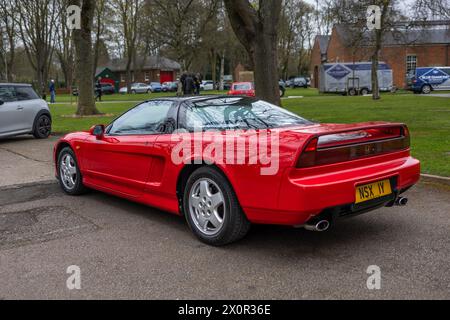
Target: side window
x,y
7,94
147,118
411,63
25,93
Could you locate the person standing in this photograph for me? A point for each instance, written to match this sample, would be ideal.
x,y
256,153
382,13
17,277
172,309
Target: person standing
x,y
198,82
189,85
52,90
98,89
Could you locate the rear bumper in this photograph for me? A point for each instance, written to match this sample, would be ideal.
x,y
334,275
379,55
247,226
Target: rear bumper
x,y
305,194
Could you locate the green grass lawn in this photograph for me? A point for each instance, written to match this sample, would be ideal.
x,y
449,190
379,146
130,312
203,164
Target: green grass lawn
x,y
427,117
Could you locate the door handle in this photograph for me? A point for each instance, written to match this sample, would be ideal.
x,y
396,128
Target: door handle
x,y
19,108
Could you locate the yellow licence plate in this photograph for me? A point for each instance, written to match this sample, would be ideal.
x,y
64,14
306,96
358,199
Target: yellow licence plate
x,y
373,191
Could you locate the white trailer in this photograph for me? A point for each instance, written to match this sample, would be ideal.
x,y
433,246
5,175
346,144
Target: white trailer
x,y
354,78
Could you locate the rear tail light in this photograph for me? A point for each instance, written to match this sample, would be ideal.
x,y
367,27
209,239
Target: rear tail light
x,y
308,157
349,146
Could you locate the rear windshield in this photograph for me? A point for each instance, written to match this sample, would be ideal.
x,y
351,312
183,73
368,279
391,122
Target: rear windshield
x,y
238,113
243,86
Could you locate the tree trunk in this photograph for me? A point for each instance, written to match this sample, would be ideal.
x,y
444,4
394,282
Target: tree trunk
x,y
375,85
266,67
213,57
222,71
375,57
257,30
84,59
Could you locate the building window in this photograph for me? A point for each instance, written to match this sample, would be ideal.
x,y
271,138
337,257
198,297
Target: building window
x,y
147,76
411,63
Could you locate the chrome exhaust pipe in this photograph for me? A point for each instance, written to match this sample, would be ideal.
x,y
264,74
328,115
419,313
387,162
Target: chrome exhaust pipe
x,y
320,226
401,202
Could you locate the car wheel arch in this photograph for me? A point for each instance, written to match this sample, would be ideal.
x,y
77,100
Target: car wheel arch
x,y
38,115
41,113
59,148
188,170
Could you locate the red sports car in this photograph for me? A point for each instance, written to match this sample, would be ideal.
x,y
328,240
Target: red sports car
x,y
226,162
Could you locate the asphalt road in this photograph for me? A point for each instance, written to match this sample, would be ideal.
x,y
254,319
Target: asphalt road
x,y
126,250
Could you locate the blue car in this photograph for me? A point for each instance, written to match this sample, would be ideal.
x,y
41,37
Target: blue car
x,y
428,79
155,87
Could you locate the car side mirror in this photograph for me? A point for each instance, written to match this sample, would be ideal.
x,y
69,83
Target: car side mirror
x,y
2,102
98,131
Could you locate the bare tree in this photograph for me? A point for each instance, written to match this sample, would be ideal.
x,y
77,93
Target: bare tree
x,y
100,27
426,9
181,25
129,19
256,27
295,35
8,38
84,57
384,4
37,27
65,50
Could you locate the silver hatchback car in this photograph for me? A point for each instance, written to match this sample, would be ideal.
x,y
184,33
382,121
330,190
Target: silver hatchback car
x,y
23,112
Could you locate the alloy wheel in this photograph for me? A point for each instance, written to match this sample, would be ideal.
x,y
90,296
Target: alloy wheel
x,y
207,206
44,126
68,171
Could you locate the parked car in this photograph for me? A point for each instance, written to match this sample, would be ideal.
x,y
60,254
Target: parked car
x,y
169,86
155,87
107,89
242,89
137,88
207,85
248,89
298,82
23,112
425,80
323,171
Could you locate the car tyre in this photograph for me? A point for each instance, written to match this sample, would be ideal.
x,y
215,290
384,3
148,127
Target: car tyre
x,y
352,92
212,209
69,175
426,89
42,127
364,91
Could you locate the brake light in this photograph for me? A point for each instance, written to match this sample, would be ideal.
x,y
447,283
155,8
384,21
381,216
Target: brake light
x,y
312,145
308,157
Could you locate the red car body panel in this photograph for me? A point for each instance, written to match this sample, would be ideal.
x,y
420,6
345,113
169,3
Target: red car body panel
x,y
140,168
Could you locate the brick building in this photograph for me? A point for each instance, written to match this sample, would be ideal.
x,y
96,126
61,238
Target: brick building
x,y
147,69
403,50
